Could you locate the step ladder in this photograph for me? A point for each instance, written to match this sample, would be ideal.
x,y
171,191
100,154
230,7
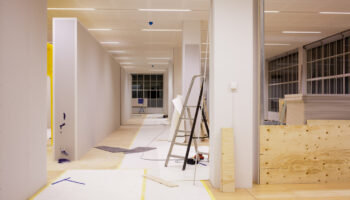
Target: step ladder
x,y
188,133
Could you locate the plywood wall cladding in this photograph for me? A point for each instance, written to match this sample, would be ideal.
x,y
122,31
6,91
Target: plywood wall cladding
x,y
305,153
227,161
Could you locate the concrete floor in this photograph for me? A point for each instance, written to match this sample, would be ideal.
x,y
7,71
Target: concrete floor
x,y
125,137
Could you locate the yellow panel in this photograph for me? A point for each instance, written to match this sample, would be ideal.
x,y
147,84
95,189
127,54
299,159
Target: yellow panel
x,y
50,74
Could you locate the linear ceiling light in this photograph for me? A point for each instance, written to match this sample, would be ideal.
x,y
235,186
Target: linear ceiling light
x,y
271,11
99,29
73,9
116,51
164,10
162,30
301,32
276,44
152,58
109,42
127,63
335,13
122,58
158,63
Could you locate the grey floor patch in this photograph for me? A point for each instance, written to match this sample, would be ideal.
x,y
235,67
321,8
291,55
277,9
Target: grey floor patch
x,y
123,150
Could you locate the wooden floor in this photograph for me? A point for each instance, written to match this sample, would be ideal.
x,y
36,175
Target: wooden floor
x,y
334,191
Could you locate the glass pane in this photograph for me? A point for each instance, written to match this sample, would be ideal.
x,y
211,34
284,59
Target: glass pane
x,y
309,70
347,44
314,54
160,103
153,85
314,70
347,64
340,86
319,68
147,85
134,94
134,77
140,77
326,51
140,94
319,87
153,77
147,94
347,85
309,55
332,50
332,86
340,65
147,77
134,85
340,46
159,77
153,94
326,67
326,86
332,67
314,87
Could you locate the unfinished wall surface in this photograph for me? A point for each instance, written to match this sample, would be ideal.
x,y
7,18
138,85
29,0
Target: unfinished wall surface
x,y
301,108
22,98
317,153
87,90
98,97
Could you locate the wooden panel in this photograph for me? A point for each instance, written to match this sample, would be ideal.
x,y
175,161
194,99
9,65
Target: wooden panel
x,y
304,154
227,161
327,122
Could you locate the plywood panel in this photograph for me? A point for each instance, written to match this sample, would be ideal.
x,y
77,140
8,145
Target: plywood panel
x,y
304,154
227,161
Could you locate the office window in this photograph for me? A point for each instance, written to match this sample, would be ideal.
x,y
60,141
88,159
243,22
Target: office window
x,y
328,68
282,80
150,87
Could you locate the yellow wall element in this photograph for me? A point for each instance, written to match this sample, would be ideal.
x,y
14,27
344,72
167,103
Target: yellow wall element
x,y
296,154
227,161
50,74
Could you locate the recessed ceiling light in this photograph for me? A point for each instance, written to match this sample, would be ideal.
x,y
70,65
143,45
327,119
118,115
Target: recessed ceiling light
x,y
116,51
122,58
301,32
271,11
127,63
164,10
153,58
276,44
109,42
73,9
158,63
165,30
335,13
99,29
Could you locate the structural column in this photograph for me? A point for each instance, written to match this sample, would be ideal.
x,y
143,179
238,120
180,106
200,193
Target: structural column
x,y
233,86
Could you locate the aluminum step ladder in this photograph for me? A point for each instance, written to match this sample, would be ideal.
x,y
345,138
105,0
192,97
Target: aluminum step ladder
x,y
188,133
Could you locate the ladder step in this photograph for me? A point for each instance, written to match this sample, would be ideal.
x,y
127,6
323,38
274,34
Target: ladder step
x,y
181,144
183,131
177,156
184,118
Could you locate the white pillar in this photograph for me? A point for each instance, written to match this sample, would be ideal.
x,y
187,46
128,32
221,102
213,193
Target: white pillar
x,y
233,59
177,60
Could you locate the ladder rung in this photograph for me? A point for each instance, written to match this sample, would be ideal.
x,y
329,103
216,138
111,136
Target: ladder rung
x,y
183,131
184,118
182,144
177,156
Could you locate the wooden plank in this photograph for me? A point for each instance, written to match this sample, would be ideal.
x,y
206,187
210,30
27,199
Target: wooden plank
x,y
227,161
161,181
304,154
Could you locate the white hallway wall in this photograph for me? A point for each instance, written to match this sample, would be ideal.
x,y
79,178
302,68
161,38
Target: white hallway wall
x,y
87,89
22,98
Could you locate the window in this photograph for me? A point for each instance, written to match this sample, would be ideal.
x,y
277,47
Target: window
x,y
328,68
283,79
150,87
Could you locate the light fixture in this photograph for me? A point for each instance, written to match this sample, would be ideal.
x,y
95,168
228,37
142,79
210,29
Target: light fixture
x,y
276,44
335,13
109,42
127,63
271,11
116,51
158,63
161,30
73,9
153,58
122,58
301,32
164,10
99,29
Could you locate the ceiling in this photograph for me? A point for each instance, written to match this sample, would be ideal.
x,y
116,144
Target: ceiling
x,y
126,22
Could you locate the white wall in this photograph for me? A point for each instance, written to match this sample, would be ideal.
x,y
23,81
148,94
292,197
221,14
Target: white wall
x,y
98,92
233,58
87,89
22,98
126,96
